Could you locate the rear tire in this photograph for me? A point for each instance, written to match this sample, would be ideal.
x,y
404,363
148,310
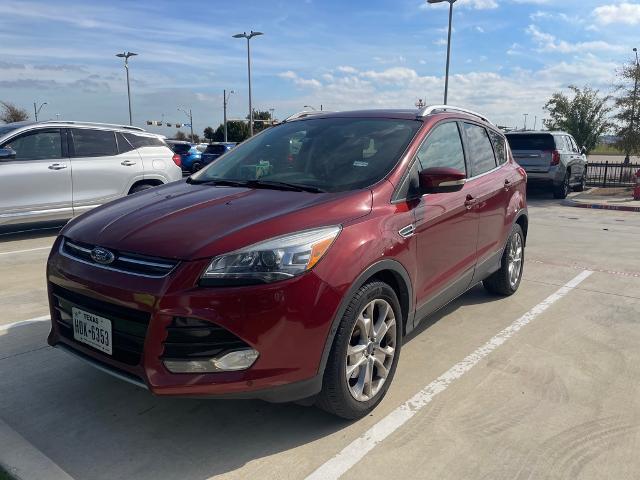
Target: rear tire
x,y
367,343
562,190
195,167
507,280
583,182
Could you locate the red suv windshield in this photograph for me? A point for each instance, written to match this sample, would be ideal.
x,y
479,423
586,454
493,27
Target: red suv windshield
x,y
332,154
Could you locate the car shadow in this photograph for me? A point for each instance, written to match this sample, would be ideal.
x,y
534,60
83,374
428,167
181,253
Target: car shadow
x,y
95,426
14,233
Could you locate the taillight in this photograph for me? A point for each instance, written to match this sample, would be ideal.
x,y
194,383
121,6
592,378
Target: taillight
x,y
177,159
555,157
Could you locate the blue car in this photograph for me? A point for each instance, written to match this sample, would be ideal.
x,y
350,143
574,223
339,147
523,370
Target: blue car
x,y
215,150
190,156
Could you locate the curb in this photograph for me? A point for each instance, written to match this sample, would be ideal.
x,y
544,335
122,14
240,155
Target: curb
x,y
24,461
600,206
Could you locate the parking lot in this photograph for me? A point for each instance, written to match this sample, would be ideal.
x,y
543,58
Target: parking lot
x,y
543,384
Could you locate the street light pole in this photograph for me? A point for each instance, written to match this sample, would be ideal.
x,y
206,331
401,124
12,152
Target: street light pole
x,y
633,104
36,111
249,37
446,77
525,121
224,109
188,114
126,56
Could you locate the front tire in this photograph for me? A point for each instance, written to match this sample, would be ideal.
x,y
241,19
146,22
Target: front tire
x,y
507,280
364,354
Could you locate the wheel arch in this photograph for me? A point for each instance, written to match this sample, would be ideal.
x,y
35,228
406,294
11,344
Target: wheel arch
x,y
154,182
396,276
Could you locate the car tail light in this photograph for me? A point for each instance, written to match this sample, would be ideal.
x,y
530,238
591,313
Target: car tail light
x,y
177,159
555,157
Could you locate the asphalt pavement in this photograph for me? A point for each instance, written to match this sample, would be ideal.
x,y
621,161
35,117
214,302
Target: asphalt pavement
x,y
544,384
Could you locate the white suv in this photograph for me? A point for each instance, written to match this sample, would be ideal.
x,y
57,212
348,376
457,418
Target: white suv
x,y
52,171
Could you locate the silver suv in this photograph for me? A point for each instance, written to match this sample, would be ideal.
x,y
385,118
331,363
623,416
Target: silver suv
x,y
553,158
52,171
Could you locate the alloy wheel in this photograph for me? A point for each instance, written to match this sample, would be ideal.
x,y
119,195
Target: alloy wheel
x,y
514,258
371,350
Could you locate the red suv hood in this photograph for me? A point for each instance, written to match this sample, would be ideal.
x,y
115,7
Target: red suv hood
x,y
187,222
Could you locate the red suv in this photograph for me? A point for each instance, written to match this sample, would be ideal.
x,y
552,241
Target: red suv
x,y
294,266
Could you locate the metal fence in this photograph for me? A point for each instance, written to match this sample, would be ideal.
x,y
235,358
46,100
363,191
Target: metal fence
x,y
605,174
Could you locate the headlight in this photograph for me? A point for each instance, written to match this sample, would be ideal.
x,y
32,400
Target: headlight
x,y
276,259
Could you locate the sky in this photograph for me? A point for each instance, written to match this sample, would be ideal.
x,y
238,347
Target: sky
x,y
508,56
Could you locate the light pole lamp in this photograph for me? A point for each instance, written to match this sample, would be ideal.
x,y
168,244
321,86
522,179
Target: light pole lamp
x,y
188,114
310,106
446,77
249,36
126,56
224,109
36,111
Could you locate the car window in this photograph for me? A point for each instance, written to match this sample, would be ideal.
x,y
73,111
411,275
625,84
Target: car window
x,y
574,145
37,145
181,148
533,141
93,143
123,144
561,143
333,154
216,149
480,149
139,141
499,147
443,148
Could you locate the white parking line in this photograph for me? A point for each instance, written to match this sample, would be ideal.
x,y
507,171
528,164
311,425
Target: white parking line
x,y
7,326
25,251
356,450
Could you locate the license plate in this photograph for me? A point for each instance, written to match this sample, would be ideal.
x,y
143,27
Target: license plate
x,y
92,330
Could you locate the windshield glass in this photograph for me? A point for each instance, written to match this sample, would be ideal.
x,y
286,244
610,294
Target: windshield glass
x,y
4,129
180,147
333,154
219,149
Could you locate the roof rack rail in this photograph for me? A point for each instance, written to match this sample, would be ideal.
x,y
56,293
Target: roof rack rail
x,y
444,108
97,124
304,113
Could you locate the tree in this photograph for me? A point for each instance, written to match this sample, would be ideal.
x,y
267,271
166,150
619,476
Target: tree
x,y
628,115
237,131
10,113
585,116
196,138
180,135
261,115
209,134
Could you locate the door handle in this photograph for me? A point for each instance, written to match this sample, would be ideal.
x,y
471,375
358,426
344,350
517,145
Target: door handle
x,y
127,163
407,231
57,166
470,202
507,184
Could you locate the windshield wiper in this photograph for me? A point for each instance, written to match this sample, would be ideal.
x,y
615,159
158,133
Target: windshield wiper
x,y
284,186
219,181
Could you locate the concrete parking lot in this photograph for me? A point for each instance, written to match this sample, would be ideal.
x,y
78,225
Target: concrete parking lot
x,y
544,384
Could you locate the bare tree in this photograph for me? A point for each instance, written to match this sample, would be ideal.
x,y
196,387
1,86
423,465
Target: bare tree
x,y
10,113
628,114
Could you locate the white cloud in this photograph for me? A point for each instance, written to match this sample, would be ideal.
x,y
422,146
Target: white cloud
x,y
625,13
549,43
299,81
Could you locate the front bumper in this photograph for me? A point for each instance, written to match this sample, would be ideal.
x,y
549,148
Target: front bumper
x,y
286,322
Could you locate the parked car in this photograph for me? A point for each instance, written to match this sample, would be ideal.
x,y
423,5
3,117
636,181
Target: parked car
x,y
190,156
52,171
215,150
551,158
296,280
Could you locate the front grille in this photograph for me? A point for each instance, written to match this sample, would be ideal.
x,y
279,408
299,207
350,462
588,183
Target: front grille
x,y
123,262
189,338
129,326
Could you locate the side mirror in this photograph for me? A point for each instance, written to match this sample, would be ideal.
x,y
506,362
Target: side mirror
x,y
7,154
441,180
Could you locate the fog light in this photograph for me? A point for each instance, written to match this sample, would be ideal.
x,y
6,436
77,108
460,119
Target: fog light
x,y
229,362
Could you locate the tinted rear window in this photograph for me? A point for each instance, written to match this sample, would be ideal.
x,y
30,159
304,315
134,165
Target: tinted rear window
x,y
217,149
180,148
531,142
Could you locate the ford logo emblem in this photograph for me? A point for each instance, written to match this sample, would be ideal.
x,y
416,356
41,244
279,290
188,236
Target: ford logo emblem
x,y
102,256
